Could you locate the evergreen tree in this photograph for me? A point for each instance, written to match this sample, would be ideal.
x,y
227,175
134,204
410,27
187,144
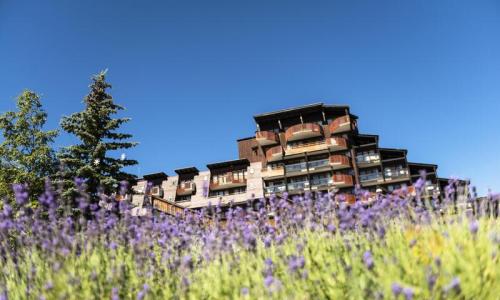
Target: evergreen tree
x,y
26,155
96,129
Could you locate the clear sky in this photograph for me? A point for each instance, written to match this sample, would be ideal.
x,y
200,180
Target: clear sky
x,y
424,75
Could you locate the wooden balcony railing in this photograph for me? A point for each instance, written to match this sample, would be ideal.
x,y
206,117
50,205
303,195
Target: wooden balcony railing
x,y
340,124
265,138
342,180
274,153
337,143
339,161
271,172
167,207
302,131
349,198
188,189
229,181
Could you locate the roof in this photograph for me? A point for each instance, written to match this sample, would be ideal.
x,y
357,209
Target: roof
x,y
246,138
393,149
422,164
223,164
294,110
159,175
187,170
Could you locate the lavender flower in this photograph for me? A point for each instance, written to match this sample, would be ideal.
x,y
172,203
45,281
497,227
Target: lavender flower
x,y
368,260
474,227
408,293
454,285
396,289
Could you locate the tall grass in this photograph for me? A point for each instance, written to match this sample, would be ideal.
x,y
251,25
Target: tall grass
x,y
312,249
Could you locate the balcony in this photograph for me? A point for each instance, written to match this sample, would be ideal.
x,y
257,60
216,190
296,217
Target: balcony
x,y
275,189
349,198
273,172
274,153
336,143
339,162
303,131
265,138
319,165
395,175
340,180
371,179
301,147
321,183
186,188
296,168
368,160
340,124
227,182
298,186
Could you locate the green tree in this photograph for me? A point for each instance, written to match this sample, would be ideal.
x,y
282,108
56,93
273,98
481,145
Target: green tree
x,y
26,155
96,129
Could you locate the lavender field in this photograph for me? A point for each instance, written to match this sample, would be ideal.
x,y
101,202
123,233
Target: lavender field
x,y
302,248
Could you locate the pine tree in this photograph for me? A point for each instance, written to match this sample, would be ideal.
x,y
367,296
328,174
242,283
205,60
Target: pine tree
x,y
26,155
96,129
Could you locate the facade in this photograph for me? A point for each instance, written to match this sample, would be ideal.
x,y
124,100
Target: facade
x,y
312,148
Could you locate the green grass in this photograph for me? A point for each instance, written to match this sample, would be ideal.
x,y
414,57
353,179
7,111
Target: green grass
x,y
334,268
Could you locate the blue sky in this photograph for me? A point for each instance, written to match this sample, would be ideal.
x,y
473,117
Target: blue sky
x,y
424,75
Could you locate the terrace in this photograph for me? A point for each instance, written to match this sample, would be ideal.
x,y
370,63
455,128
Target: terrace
x,y
265,138
303,131
340,124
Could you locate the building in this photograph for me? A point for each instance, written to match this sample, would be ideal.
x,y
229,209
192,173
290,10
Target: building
x,y
311,148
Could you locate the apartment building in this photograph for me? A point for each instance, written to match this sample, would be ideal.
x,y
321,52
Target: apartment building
x,y
311,148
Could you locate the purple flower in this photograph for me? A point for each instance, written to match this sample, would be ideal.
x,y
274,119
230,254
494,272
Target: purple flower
x,y
114,294
331,228
20,193
474,227
368,260
431,281
396,289
267,241
272,284
296,262
245,291
454,285
187,262
408,292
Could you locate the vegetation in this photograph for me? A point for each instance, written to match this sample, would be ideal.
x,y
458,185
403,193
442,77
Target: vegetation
x,y
96,130
311,249
26,156
27,159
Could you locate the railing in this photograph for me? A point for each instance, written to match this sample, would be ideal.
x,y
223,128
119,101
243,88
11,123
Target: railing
x,y
339,160
227,180
266,137
321,181
298,185
341,179
313,128
273,171
393,173
349,198
189,187
296,167
318,163
274,153
275,189
337,142
368,158
370,177
340,124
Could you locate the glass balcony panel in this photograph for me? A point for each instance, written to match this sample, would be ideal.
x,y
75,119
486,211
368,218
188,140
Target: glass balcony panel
x,y
296,167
